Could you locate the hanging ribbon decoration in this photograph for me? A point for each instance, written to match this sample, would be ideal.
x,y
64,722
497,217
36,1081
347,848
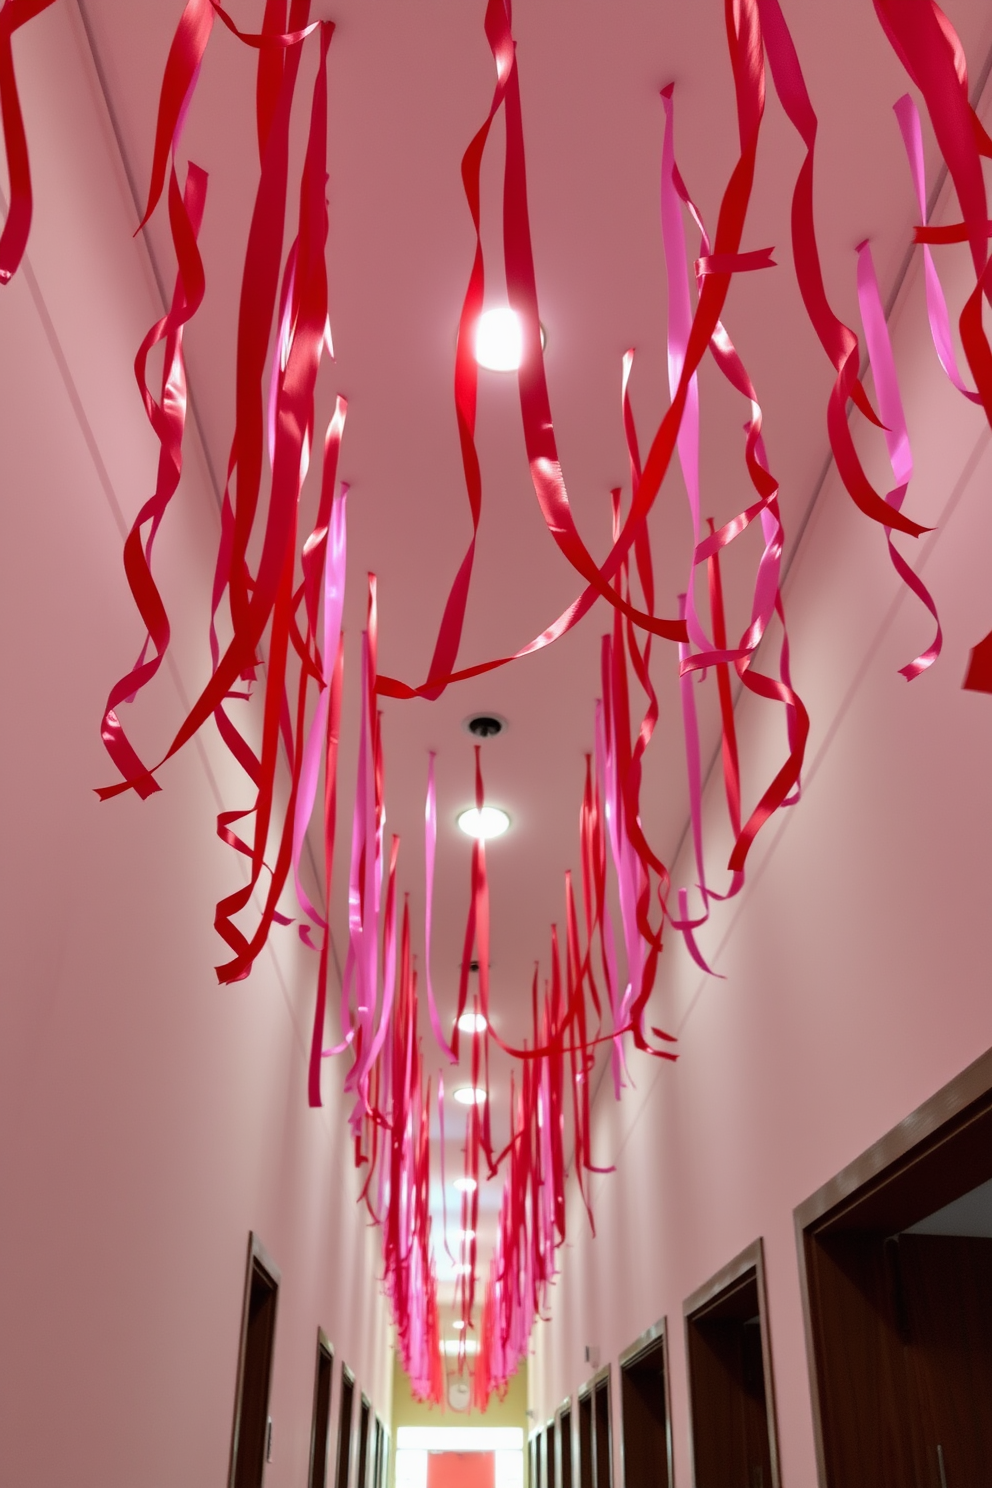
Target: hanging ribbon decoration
x,y
269,594
931,52
14,238
896,437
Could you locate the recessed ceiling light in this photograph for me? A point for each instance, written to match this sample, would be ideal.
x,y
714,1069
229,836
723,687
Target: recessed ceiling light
x,y
472,1023
470,1095
499,340
489,822
466,1185
458,1324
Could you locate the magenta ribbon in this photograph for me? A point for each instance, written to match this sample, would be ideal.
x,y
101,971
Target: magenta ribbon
x,y
890,407
334,589
940,325
430,846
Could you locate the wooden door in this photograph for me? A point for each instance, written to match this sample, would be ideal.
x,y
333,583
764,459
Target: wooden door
x,y
645,1430
946,1283
321,1413
730,1431
251,1410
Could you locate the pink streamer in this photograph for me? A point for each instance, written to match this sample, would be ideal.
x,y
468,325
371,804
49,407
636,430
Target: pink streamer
x,y
896,437
430,845
940,326
334,587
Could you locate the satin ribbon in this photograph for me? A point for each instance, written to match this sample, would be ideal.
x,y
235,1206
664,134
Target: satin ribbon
x,y
890,407
430,850
17,228
838,340
268,593
931,52
167,417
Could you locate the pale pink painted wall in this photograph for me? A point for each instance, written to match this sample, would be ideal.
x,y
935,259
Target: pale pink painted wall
x,y
855,962
148,1119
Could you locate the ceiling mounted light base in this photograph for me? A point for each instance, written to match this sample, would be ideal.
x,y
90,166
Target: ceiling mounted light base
x,y
484,725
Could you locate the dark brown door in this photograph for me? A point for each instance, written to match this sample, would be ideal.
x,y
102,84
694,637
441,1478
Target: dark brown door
x,y
585,1441
344,1428
321,1413
603,1453
731,1445
947,1295
903,1337
565,1441
365,1419
251,1411
644,1418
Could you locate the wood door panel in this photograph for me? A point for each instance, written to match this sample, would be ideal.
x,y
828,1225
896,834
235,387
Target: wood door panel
x,y
947,1287
644,1414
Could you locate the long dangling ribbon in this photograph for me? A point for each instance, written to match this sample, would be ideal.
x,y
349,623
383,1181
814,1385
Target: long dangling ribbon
x,y
16,230
890,407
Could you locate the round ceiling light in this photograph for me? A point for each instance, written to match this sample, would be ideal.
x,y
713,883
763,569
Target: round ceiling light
x,y
472,1023
470,1095
489,822
466,1185
499,340
458,1324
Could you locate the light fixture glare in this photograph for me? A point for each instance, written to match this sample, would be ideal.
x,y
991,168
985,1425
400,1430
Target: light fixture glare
x,y
470,1095
472,1023
499,340
466,1185
489,822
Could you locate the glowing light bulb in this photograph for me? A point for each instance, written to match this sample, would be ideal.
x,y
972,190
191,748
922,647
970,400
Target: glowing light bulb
x,y
489,822
470,1095
472,1023
499,340
466,1185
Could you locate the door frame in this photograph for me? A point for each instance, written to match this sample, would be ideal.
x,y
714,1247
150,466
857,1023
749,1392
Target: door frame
x,y
751,1258
945,1115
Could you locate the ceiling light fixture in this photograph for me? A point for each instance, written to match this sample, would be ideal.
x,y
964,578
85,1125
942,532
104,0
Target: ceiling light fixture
x,y
499,339
458,1324
472,1023
466,1185
470,1095
485,725
489,822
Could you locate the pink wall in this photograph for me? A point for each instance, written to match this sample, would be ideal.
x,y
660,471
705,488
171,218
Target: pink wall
x,y
148,1119
856,960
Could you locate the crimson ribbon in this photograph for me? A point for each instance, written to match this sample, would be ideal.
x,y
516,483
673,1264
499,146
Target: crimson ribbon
x,y
16,229
929,48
